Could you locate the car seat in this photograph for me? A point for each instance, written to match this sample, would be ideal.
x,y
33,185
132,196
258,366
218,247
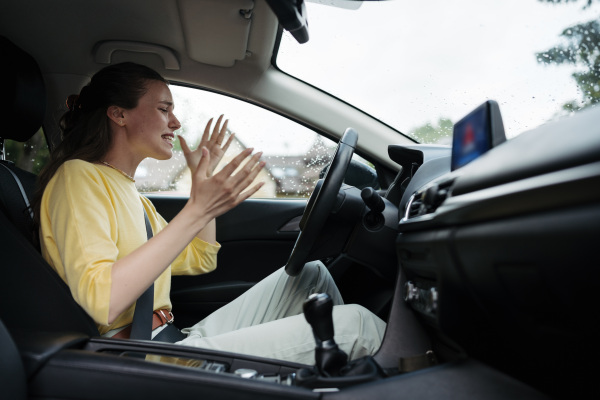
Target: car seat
x,y
23,106
32,294
12,371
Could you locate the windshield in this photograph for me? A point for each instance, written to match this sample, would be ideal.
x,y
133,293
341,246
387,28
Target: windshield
x,y
420,66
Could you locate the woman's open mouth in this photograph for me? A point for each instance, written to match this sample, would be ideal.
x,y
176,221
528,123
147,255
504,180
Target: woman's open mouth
x,y
168,137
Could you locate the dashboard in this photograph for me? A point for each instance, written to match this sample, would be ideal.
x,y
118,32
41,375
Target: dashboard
x,y
498,255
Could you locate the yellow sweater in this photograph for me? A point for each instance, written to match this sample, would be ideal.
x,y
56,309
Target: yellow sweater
x,y
91,216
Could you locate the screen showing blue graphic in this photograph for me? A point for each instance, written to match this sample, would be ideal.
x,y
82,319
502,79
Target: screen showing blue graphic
x,y
471,137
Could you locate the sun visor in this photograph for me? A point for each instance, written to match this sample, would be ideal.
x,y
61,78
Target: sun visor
x,y
104,52
215,31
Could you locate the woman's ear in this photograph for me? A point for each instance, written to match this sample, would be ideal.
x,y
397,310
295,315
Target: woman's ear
x,y
116,115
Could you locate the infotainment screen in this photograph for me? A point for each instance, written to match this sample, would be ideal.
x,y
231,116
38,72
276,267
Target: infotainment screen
x,y
476,133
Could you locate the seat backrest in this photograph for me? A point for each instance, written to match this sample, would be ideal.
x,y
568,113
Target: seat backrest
x,y
23,104
15,199
23,93
32,295
12,372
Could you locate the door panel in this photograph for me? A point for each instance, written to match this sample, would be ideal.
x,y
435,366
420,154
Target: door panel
x,y
256,238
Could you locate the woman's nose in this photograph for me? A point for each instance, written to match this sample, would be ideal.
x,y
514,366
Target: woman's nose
x,y
174,123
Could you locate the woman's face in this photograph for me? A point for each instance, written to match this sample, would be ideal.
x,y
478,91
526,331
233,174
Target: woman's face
x,y
150,126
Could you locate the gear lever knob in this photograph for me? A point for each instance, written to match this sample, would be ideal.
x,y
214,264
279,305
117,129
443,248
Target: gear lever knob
x,y
317,311
329,358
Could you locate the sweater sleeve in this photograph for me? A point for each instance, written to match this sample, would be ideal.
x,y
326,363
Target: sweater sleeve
x,y
198,257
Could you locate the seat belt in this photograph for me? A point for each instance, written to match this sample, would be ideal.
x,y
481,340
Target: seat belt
x,y
141,327
11,185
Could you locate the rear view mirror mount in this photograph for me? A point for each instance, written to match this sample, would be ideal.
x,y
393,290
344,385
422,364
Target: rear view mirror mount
x,y
292,17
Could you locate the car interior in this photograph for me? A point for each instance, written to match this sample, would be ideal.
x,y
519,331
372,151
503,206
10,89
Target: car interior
x,y
480,255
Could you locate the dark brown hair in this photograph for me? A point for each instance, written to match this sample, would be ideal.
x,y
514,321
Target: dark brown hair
x,y
85,126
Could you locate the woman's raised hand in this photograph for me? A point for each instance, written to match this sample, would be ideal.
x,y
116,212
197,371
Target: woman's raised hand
x,y
213,142
221,192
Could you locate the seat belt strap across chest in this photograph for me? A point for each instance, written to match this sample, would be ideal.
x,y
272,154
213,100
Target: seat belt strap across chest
x,y
141,327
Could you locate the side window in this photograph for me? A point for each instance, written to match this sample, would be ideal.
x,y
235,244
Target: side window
x,y
294,154
31,155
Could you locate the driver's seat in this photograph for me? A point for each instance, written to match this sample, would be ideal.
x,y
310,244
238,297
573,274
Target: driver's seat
x,y
32,295
22,110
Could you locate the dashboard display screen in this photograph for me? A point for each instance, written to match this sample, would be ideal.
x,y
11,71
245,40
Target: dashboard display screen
x,y
476,133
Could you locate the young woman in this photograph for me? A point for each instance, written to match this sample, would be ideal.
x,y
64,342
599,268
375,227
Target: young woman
x,y
92,228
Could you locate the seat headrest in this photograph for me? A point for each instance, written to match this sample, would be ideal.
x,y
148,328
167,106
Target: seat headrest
x,y
23,95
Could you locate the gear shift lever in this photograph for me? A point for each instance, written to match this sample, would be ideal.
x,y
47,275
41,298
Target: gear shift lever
x,y
329,359
332,369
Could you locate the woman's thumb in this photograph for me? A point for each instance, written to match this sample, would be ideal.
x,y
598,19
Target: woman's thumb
x,y
204,162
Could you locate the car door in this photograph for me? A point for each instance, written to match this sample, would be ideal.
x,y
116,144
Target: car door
x,y
256,239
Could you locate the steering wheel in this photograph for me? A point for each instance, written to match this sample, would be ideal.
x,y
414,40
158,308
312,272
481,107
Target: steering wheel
x,y
321,203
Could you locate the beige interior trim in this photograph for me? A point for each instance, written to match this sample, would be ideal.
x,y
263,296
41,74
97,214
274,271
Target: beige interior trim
x,y
219,37
104,51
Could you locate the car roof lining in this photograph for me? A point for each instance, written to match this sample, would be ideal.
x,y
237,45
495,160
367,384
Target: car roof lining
x,y
205,43
209,32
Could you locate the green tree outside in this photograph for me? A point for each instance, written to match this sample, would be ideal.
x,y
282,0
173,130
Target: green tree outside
x,y
581,48
31,155
431,134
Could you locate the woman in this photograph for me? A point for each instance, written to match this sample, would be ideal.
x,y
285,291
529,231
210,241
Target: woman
x,y
93,234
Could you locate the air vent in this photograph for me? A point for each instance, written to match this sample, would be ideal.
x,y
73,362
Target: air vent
x,y
415,206
428,200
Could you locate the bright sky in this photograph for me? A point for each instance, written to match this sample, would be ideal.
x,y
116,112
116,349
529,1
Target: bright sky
x,y
411,62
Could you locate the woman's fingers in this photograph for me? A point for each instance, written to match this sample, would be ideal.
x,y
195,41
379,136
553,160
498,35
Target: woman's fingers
x,y
227,188
192,158
245,195
239,189
246,173
206,134
219,133
245,176
228,143
249,171
229,168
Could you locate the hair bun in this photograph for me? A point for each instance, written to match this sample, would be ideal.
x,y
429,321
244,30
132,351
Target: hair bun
x,y
73,102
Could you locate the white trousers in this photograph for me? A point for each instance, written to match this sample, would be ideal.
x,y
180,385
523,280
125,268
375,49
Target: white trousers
x,y
267,320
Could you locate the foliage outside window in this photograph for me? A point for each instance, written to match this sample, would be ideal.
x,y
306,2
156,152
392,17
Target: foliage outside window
x,y
31,155
421,66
